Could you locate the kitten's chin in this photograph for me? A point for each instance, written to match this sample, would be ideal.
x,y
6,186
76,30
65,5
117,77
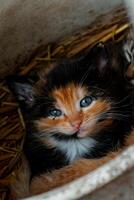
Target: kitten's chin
x,y
82,134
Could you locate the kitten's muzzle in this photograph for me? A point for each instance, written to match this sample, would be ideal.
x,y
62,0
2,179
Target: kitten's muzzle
x,y
76,124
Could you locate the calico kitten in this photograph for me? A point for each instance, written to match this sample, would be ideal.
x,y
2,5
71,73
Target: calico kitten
x,y
79,109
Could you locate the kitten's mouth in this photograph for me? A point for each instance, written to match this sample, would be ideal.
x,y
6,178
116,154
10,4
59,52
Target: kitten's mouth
x,y
80,134
73,135
76,135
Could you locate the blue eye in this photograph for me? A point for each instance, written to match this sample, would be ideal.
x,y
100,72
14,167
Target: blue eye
x,y
55,112
86,101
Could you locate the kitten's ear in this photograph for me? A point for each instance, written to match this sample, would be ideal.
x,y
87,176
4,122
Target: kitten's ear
x,y
22,89
100,57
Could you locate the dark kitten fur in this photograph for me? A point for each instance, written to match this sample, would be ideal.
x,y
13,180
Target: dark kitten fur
x,y
79,109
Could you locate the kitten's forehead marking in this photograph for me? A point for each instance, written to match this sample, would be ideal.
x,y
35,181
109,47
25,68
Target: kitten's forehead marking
x,y
68,97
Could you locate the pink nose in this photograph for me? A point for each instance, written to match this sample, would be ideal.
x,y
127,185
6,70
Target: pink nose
x,y
77,125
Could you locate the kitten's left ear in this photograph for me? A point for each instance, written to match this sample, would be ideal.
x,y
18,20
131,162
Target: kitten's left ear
x,y
100,58
22,89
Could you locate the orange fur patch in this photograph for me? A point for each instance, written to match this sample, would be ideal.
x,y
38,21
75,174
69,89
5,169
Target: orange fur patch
x,y
67,97
94,112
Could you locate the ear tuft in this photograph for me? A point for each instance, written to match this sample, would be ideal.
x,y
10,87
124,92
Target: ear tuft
x,y
21,88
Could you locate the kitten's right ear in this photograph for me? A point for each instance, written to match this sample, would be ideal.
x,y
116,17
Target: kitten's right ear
x,y
22,89
98,58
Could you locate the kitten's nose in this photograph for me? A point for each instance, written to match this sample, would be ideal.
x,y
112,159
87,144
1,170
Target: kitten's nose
x,y
77,124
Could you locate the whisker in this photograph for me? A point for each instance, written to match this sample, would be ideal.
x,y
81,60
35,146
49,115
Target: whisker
x,y
84,77
123,106
125,98
108,115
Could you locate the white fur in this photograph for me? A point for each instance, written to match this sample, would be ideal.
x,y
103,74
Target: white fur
x,y
130,7
76,148
132,81
128,50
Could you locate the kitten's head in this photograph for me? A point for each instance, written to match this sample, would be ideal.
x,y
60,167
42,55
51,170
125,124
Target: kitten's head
x,y
76,99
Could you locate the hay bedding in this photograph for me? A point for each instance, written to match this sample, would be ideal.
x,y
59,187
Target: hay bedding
x,y
11,121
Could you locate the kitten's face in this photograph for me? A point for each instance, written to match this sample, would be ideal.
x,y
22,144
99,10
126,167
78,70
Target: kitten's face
x,y
74,111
